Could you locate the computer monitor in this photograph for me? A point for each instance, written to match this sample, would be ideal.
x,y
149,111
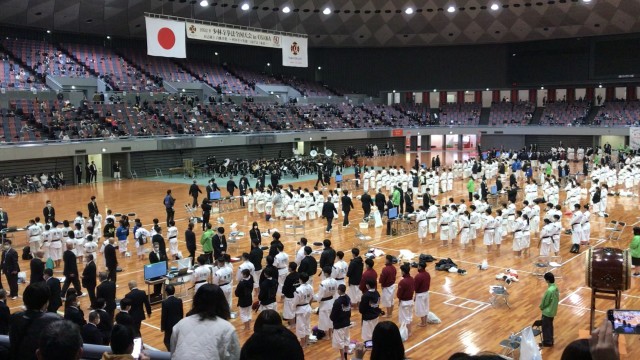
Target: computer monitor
x,y
181,263
498,153
484,156
214,195
393,213
494,190
338,178
155,271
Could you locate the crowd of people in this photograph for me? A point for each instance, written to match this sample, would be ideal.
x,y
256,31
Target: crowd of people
x,y
273,279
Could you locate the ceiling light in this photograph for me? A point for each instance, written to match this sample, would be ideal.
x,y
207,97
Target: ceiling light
x,y
409,11
434,90
204,3
326,11
600,86
108,37
495,7
215,53
487,89
451,9
586,1
319,67
394,91
48,31
245,7
268,64
541,87
286,9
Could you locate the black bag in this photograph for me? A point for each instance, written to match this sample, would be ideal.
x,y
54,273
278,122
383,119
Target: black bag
x,y
26,253
426,258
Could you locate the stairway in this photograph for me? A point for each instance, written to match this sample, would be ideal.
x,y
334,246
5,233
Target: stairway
x,y
593,112
484,116
155,78
91,71
537,115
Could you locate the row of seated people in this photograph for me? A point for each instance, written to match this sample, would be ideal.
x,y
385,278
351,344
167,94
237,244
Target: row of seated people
x,y
618,113
563,113
45,58
30,183
219,78
15,77
506,113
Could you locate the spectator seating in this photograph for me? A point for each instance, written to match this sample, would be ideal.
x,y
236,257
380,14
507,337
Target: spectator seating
x,y
460,114
15,77
44,58
218,77
507,113
115,70
158,66
618,113
563,113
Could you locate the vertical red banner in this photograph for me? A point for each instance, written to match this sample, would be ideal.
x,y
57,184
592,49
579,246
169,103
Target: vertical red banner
x,y
533,96
632,94
551,95
571,95
495,96
610,94
590,94
443,98
460,97
514,96
478,97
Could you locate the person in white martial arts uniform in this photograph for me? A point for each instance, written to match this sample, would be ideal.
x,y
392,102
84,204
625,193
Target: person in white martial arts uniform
x,y
303,297
340,267
489,228
576,229
423,226
325,296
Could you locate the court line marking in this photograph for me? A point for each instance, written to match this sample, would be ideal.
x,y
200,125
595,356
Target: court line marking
x,y
625,295
582,308
447,328
151,326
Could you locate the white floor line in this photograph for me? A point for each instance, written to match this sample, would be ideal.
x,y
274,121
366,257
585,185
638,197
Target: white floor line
x,y
582,308
582,253
623,295
152,326
447,328
570,295
459,297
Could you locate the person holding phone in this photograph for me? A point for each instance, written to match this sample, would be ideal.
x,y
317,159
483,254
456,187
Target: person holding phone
x,y
124,345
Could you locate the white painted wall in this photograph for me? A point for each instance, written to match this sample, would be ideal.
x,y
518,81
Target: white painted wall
x,y
389,98
434,100
523,95
581,93
451,97
621,93
396,98
542,94
486,99
614,140
600,91
505,94
417,97
560,94
469,96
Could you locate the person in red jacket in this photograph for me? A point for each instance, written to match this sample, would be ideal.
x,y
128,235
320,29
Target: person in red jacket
x,y
422,283
406,289
368,273
388,285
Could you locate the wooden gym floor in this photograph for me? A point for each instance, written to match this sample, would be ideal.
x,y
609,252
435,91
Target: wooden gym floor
x,y
469,322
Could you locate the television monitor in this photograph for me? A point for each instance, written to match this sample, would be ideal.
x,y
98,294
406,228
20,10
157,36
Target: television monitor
x,y
338,178
214,195
494,190
484,156
155,271
393,213
498,153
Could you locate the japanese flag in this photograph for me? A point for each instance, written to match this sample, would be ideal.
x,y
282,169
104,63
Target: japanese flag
x,y
166,38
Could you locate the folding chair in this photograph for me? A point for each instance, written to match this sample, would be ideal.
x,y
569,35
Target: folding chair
x,y
362,240
499,292
615,230
133,174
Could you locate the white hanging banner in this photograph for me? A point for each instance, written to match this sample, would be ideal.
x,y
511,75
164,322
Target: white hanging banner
x,y
634,137
294,51
233,36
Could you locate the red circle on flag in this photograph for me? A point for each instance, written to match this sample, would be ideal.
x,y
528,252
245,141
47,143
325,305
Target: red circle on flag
x,y
166,38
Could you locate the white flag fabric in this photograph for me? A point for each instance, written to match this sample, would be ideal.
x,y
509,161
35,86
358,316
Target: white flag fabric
x,y
166,38
294,51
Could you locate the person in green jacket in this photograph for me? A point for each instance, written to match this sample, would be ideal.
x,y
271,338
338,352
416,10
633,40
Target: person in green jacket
x,y
548,169
471,188
207,244
635,251
395,197
549,307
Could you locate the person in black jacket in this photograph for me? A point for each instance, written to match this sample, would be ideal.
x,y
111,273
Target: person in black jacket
x,y
90,332
194,191
291,282
347,205
157,238
369,309
49,213
484,190
139,299
273,246
92,206
54,291
10,267
255,256
72,311
231,186
5,313
124,317
107,291
255,234
341,318
110,259
219,242
354,273
106,321
206,213
244,293
89,280
268,289
154,257
367,202
308,264
328,255
381,200
70,272
172,313
190,240
26,326
37,267
328,212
